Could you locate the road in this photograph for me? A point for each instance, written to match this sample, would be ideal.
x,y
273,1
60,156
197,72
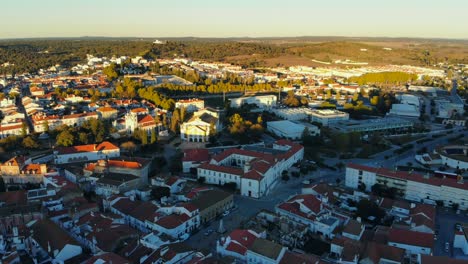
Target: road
x,y
445,224
249,207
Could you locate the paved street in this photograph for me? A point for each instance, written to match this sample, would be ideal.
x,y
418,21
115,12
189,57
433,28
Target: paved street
x,y
248,207
445,224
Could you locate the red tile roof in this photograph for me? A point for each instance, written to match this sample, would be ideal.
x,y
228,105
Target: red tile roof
x,y
411,176
196,155
104,146
172,221
230,170
408,237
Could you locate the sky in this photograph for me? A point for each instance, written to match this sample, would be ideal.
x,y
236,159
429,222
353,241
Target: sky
x,y
234,18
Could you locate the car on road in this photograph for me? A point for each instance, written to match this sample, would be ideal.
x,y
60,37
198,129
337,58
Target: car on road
x,y
208,232
226,213
447,246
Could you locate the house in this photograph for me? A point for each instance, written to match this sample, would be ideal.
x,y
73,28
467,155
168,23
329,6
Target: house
x,y
354,229
107,112
265,251
254,170
13,130
212,203
175,221
201,126
193,158
174,183
307,209
376,253
116,183
236,244
412,241
49,241
17,171
84,153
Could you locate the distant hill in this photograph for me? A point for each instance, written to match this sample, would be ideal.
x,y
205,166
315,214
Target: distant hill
x,y
30,55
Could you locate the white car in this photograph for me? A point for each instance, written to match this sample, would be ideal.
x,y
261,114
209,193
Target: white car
x,y
226,213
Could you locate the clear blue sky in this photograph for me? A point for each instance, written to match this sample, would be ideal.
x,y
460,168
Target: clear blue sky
x,y
234,18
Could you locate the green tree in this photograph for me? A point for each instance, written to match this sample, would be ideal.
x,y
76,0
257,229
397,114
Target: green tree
x,y
111,72
45,126
183,112
153,136
65,138
144,137
24,129
30,143
175,120
129,146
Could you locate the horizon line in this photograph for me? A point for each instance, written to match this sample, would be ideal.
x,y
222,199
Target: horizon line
x,y
244,37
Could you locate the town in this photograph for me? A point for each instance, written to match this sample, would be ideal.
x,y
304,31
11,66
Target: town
x,y
143,159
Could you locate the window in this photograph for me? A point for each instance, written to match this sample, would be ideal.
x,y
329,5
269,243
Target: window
x,y
250,183
360,172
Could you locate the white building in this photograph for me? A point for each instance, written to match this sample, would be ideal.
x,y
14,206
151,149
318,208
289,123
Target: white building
x,y
290,130
411,241
201,126
84,153
191,105
328,116
407,110
409,185
454,156
255,171
261,101
460,240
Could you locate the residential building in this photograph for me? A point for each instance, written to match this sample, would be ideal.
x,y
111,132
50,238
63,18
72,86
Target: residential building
x,y
309,210
410,185
116,183
411,241
50,242
17,171
85,153
236,244
265,251
212,203
107,112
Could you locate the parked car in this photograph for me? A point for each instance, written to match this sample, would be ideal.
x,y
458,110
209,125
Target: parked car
x,y
208,232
